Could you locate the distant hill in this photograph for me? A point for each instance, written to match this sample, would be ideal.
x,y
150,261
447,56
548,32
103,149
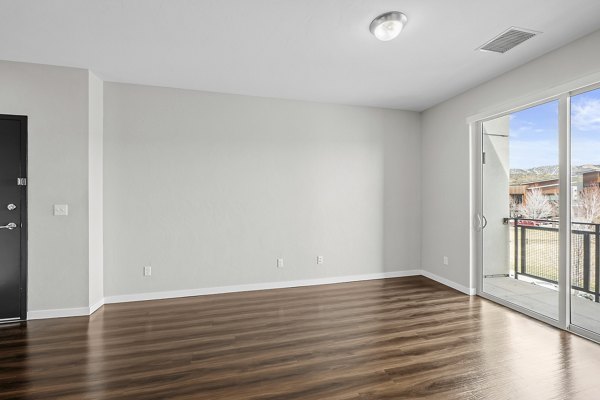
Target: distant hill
x,y
547,172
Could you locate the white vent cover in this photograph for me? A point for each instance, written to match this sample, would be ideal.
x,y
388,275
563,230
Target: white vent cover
x,y
508,39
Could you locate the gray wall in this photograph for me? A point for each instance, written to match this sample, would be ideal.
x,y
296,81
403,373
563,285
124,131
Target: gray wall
x,y
210,189
56,101
446,217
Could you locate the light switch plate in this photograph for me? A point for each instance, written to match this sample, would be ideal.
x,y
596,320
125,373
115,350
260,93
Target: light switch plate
x,y
61,209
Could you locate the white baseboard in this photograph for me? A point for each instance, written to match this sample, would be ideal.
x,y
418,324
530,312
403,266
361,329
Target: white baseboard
x,y
58,313
94,307
65,312
449,283
85,311
254,286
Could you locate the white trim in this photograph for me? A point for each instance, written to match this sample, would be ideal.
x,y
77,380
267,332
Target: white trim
x,y
65,312
587,334
124,298
476,204
523,310
94,307
172,294
449,283
564,231
536,97
58,313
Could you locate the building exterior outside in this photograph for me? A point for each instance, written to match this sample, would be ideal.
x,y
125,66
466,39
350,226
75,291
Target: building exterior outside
x,y
550,187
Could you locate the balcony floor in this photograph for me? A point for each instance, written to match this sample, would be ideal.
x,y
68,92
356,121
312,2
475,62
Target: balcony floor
x,y
544,300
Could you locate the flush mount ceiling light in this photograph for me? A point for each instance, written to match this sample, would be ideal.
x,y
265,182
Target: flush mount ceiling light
x,y
389,25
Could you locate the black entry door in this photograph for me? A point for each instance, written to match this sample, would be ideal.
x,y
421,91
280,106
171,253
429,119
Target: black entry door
x,y
13,240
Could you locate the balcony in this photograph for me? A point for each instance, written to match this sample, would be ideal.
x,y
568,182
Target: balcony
x,y
532,280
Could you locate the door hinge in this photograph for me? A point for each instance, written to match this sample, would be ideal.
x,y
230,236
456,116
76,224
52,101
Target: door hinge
x,y
21,181
483,157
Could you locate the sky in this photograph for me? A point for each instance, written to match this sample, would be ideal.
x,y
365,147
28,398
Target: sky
x,y
534,133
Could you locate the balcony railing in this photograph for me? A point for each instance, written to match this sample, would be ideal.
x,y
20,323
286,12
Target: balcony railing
x,y
535,247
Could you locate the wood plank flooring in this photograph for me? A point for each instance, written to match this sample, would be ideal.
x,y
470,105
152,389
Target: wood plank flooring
x,y
405,338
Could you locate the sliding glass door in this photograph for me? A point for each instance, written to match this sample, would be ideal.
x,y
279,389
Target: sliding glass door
x,y
539,210
585,210
521,186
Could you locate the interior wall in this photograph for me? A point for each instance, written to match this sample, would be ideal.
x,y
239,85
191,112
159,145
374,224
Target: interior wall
x,y
95,167
55,100
210,189
447,222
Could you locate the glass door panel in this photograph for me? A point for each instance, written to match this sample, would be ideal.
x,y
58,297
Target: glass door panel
x,y
585,210
520,183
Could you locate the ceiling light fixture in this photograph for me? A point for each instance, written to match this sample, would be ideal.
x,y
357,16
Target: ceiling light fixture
x,y
389,25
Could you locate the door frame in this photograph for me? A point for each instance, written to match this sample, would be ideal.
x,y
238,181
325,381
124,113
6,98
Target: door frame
x,y
476,131
562,94
23,212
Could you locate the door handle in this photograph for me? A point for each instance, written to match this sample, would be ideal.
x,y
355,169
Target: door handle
x,y
10,226
481,222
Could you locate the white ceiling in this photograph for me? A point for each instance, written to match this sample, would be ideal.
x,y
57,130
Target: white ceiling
x,y
318,50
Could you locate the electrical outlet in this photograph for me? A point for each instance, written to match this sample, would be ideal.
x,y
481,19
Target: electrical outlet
x,y
320,260
280,263
61,209
445,260
147,271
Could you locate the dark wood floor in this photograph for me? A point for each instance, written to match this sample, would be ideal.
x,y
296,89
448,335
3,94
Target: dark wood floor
x,y
402,338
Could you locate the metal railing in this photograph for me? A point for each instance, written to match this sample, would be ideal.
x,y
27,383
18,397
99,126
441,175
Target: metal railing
x,y
535,247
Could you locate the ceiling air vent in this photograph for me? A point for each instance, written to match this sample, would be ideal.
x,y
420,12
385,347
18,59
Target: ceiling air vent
x,y
508,39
